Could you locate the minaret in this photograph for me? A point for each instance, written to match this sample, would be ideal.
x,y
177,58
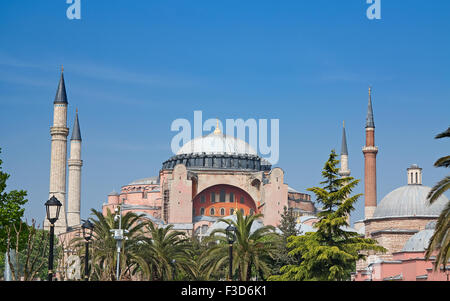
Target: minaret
x,y
344,171
370,164
59,132
75,163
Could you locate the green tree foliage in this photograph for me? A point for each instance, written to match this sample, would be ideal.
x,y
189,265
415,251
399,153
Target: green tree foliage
x,y
288,228
11,210
29,260
103,246
167,253
331,252
252,251
440,241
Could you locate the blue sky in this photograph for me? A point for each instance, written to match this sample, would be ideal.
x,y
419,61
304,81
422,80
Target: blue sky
x,y
132,67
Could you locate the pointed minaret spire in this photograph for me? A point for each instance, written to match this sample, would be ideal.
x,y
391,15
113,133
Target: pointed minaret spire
x,y
344,150
61,96
344,171
76,134
369,119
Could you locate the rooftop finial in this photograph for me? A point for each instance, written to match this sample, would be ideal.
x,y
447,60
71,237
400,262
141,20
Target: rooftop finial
x,y
62,68
217,130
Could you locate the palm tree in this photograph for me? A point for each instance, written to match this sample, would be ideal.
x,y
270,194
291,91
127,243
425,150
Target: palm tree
x,y
166,253
251,250
103,246
441,237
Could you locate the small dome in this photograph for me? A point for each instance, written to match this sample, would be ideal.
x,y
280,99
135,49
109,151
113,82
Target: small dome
x,y
410,201
217,143
113,193
419,241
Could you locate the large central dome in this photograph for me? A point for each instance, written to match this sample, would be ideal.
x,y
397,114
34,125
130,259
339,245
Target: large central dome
x,y
218,151
217,143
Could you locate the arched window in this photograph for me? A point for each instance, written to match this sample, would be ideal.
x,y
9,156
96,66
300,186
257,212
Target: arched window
x,y
231,211
242,211
417,181
222,211
211,211
202,211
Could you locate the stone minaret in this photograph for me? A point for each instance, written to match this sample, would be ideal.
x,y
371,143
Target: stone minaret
x,y
59,132
75,163
344,171
370,164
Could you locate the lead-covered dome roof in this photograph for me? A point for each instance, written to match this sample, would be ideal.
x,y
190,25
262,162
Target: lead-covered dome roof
x,y
218,151
409,201
419,242
217,143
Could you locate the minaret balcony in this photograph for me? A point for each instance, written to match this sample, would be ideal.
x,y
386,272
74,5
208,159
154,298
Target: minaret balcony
x,y
370,149
57,130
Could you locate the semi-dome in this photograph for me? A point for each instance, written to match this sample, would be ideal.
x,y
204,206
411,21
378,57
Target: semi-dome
x,y
217,143
409,201
419,241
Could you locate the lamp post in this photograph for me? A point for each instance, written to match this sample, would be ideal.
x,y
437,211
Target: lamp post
x,y
230,231
87,227
52,206
119,237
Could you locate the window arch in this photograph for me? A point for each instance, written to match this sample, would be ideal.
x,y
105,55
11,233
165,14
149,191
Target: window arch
x,y
212,211
222,211
202,211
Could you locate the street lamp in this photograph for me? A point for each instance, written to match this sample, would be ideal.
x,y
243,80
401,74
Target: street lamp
x,y
230,231
119,236
52,206
87,227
